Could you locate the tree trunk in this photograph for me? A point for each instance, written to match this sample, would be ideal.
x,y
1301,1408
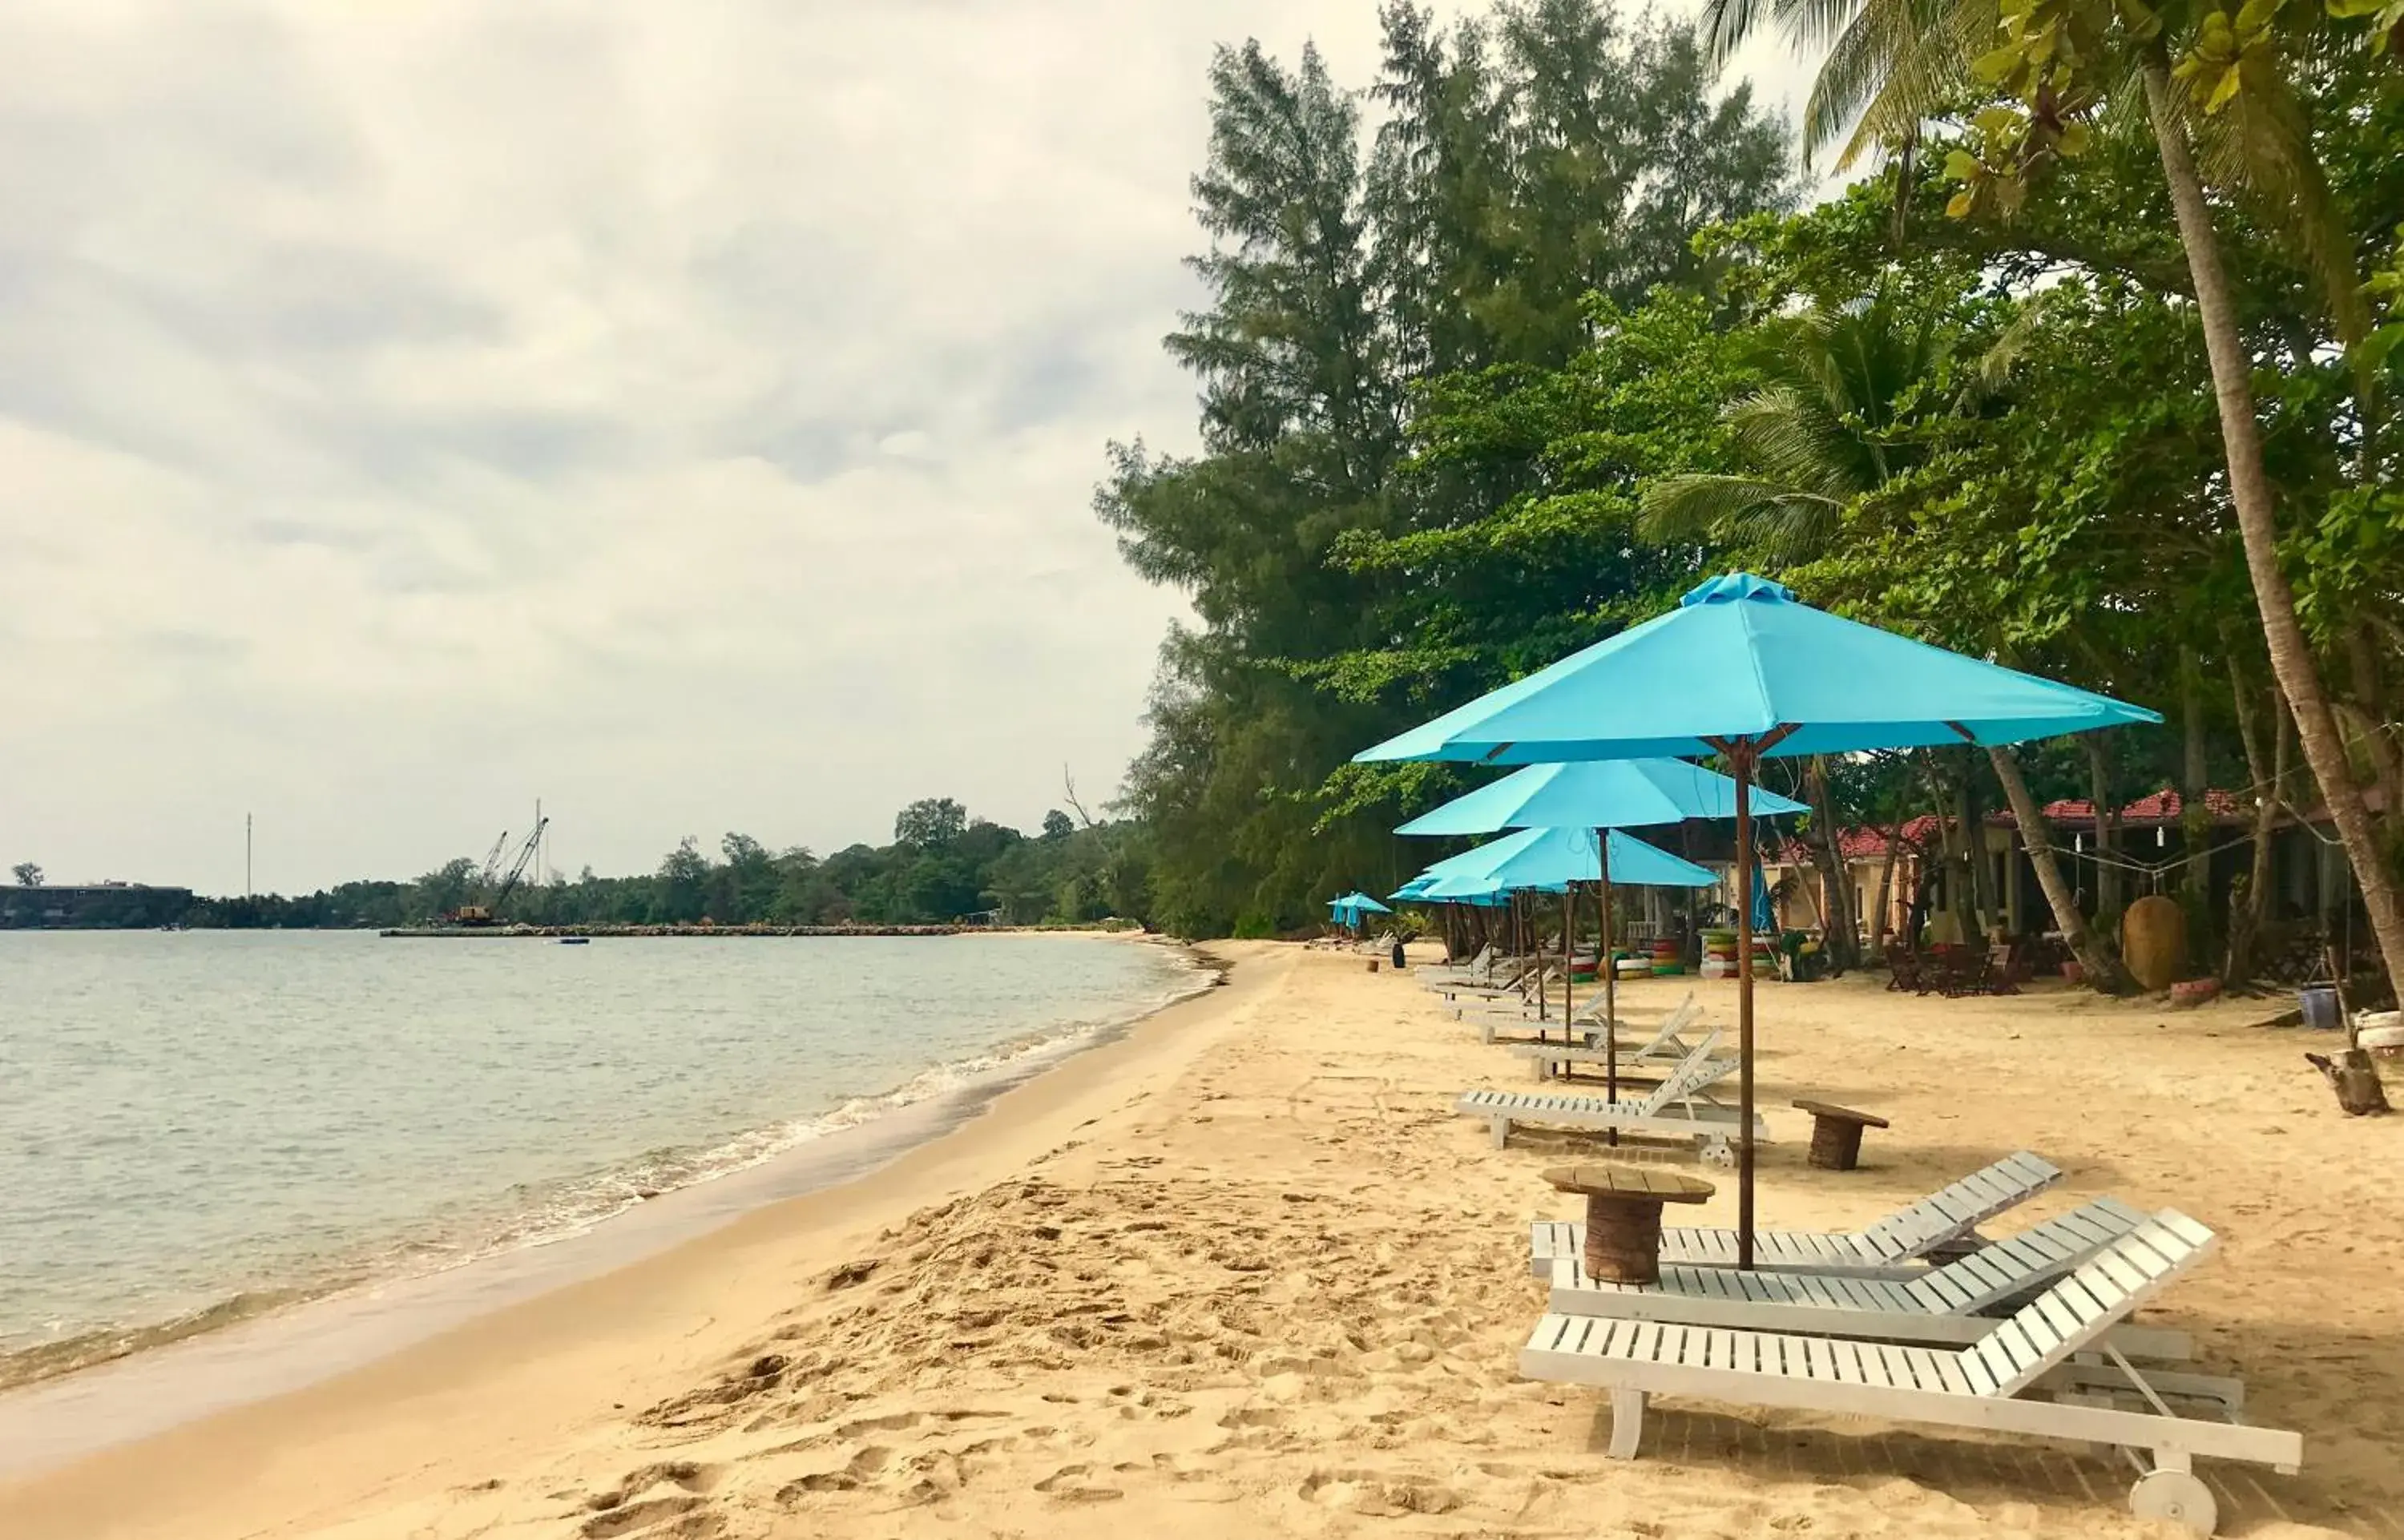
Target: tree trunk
x,y
2249,489
2104,974
2107,834
2195,816
2270,776
1837,910
1882,923
1975,853
1956,870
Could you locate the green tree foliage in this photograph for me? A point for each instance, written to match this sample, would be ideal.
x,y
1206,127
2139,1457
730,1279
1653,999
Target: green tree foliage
x,y
932,823
1526,160
1077,876
28,873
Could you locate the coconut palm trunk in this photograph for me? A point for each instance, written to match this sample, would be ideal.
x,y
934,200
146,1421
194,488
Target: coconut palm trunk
x,y
2103,967
2249,489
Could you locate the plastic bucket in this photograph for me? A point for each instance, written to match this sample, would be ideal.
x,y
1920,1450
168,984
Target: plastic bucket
x,y
2320,1007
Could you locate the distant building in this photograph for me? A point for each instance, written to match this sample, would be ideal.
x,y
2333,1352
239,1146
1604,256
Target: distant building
x,y
2312,886
100,905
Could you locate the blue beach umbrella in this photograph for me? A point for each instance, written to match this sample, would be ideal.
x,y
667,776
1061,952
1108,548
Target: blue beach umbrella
x,y
1742,669
1597,795
1549,859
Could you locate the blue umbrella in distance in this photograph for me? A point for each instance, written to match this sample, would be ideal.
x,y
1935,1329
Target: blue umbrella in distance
x,y
1597,795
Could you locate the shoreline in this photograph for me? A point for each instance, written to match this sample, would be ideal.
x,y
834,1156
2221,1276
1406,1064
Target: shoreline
x,y
265,1341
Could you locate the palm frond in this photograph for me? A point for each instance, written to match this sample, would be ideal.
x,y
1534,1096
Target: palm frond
x,y
1926,51
2258,146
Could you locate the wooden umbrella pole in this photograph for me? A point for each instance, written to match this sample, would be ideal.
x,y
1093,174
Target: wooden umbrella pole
x,y
1569,927
1610,985
1741,757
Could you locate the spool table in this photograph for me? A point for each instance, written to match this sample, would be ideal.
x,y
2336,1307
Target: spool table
x,y
1623,1215
1836,1134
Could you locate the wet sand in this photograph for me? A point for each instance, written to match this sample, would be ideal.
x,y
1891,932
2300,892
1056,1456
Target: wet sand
x,y
1243,1272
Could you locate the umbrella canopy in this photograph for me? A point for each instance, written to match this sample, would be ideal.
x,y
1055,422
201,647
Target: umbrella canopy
x,y
1742,658
1741,668
1595,794
1364,904
1549,859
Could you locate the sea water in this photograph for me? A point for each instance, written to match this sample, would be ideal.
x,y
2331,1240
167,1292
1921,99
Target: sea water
x,y
196,1126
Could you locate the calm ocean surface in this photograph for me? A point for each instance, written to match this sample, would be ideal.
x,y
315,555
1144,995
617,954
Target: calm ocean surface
x,y
193,1126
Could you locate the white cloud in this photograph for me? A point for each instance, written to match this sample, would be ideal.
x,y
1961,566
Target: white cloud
x,y
686,414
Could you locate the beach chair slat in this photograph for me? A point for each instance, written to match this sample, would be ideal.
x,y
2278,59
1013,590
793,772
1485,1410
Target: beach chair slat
x,y
2030,1337
1947,1368
2049,1245
1936,1294
1891,1297
2152,1250
1998,1362
2017,1256
2051,1306
2089,1294
2112,1265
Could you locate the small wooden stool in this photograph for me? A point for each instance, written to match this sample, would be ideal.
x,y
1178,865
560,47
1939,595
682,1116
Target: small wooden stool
x,y
1836,1134
1623,1215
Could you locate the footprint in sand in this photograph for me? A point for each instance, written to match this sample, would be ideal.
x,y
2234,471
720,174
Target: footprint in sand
x,y
862,1467
635,1516
1069,1484
1376,1495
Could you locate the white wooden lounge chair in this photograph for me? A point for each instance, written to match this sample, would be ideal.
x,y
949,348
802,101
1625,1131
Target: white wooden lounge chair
x,y
1946,1305
1665,1047
1995,1382
1676,1109
1476,971
1510,978
1890,1248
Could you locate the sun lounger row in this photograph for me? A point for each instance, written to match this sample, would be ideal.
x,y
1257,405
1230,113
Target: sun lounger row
x,y
1678,1108
1943,1305
2058,1366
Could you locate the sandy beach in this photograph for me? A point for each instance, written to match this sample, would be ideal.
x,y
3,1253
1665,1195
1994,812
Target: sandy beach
x,y
1243,1272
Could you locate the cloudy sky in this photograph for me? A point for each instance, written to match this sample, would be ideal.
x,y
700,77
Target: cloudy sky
x,y
684,413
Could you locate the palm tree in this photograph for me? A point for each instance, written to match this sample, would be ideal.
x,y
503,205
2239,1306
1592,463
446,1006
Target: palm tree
x,y
1819,433
1890,64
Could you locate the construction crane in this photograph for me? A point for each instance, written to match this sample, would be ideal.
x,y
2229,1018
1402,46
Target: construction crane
x,y
492,884
492,862
517,869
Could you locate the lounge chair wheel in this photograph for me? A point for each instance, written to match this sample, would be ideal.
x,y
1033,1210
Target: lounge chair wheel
x,y
2179,1496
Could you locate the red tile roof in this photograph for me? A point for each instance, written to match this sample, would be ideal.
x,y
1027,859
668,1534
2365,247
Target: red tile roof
x,y
1921,834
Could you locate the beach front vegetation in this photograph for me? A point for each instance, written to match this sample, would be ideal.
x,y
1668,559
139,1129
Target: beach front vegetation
x,y
1566,339
944,866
